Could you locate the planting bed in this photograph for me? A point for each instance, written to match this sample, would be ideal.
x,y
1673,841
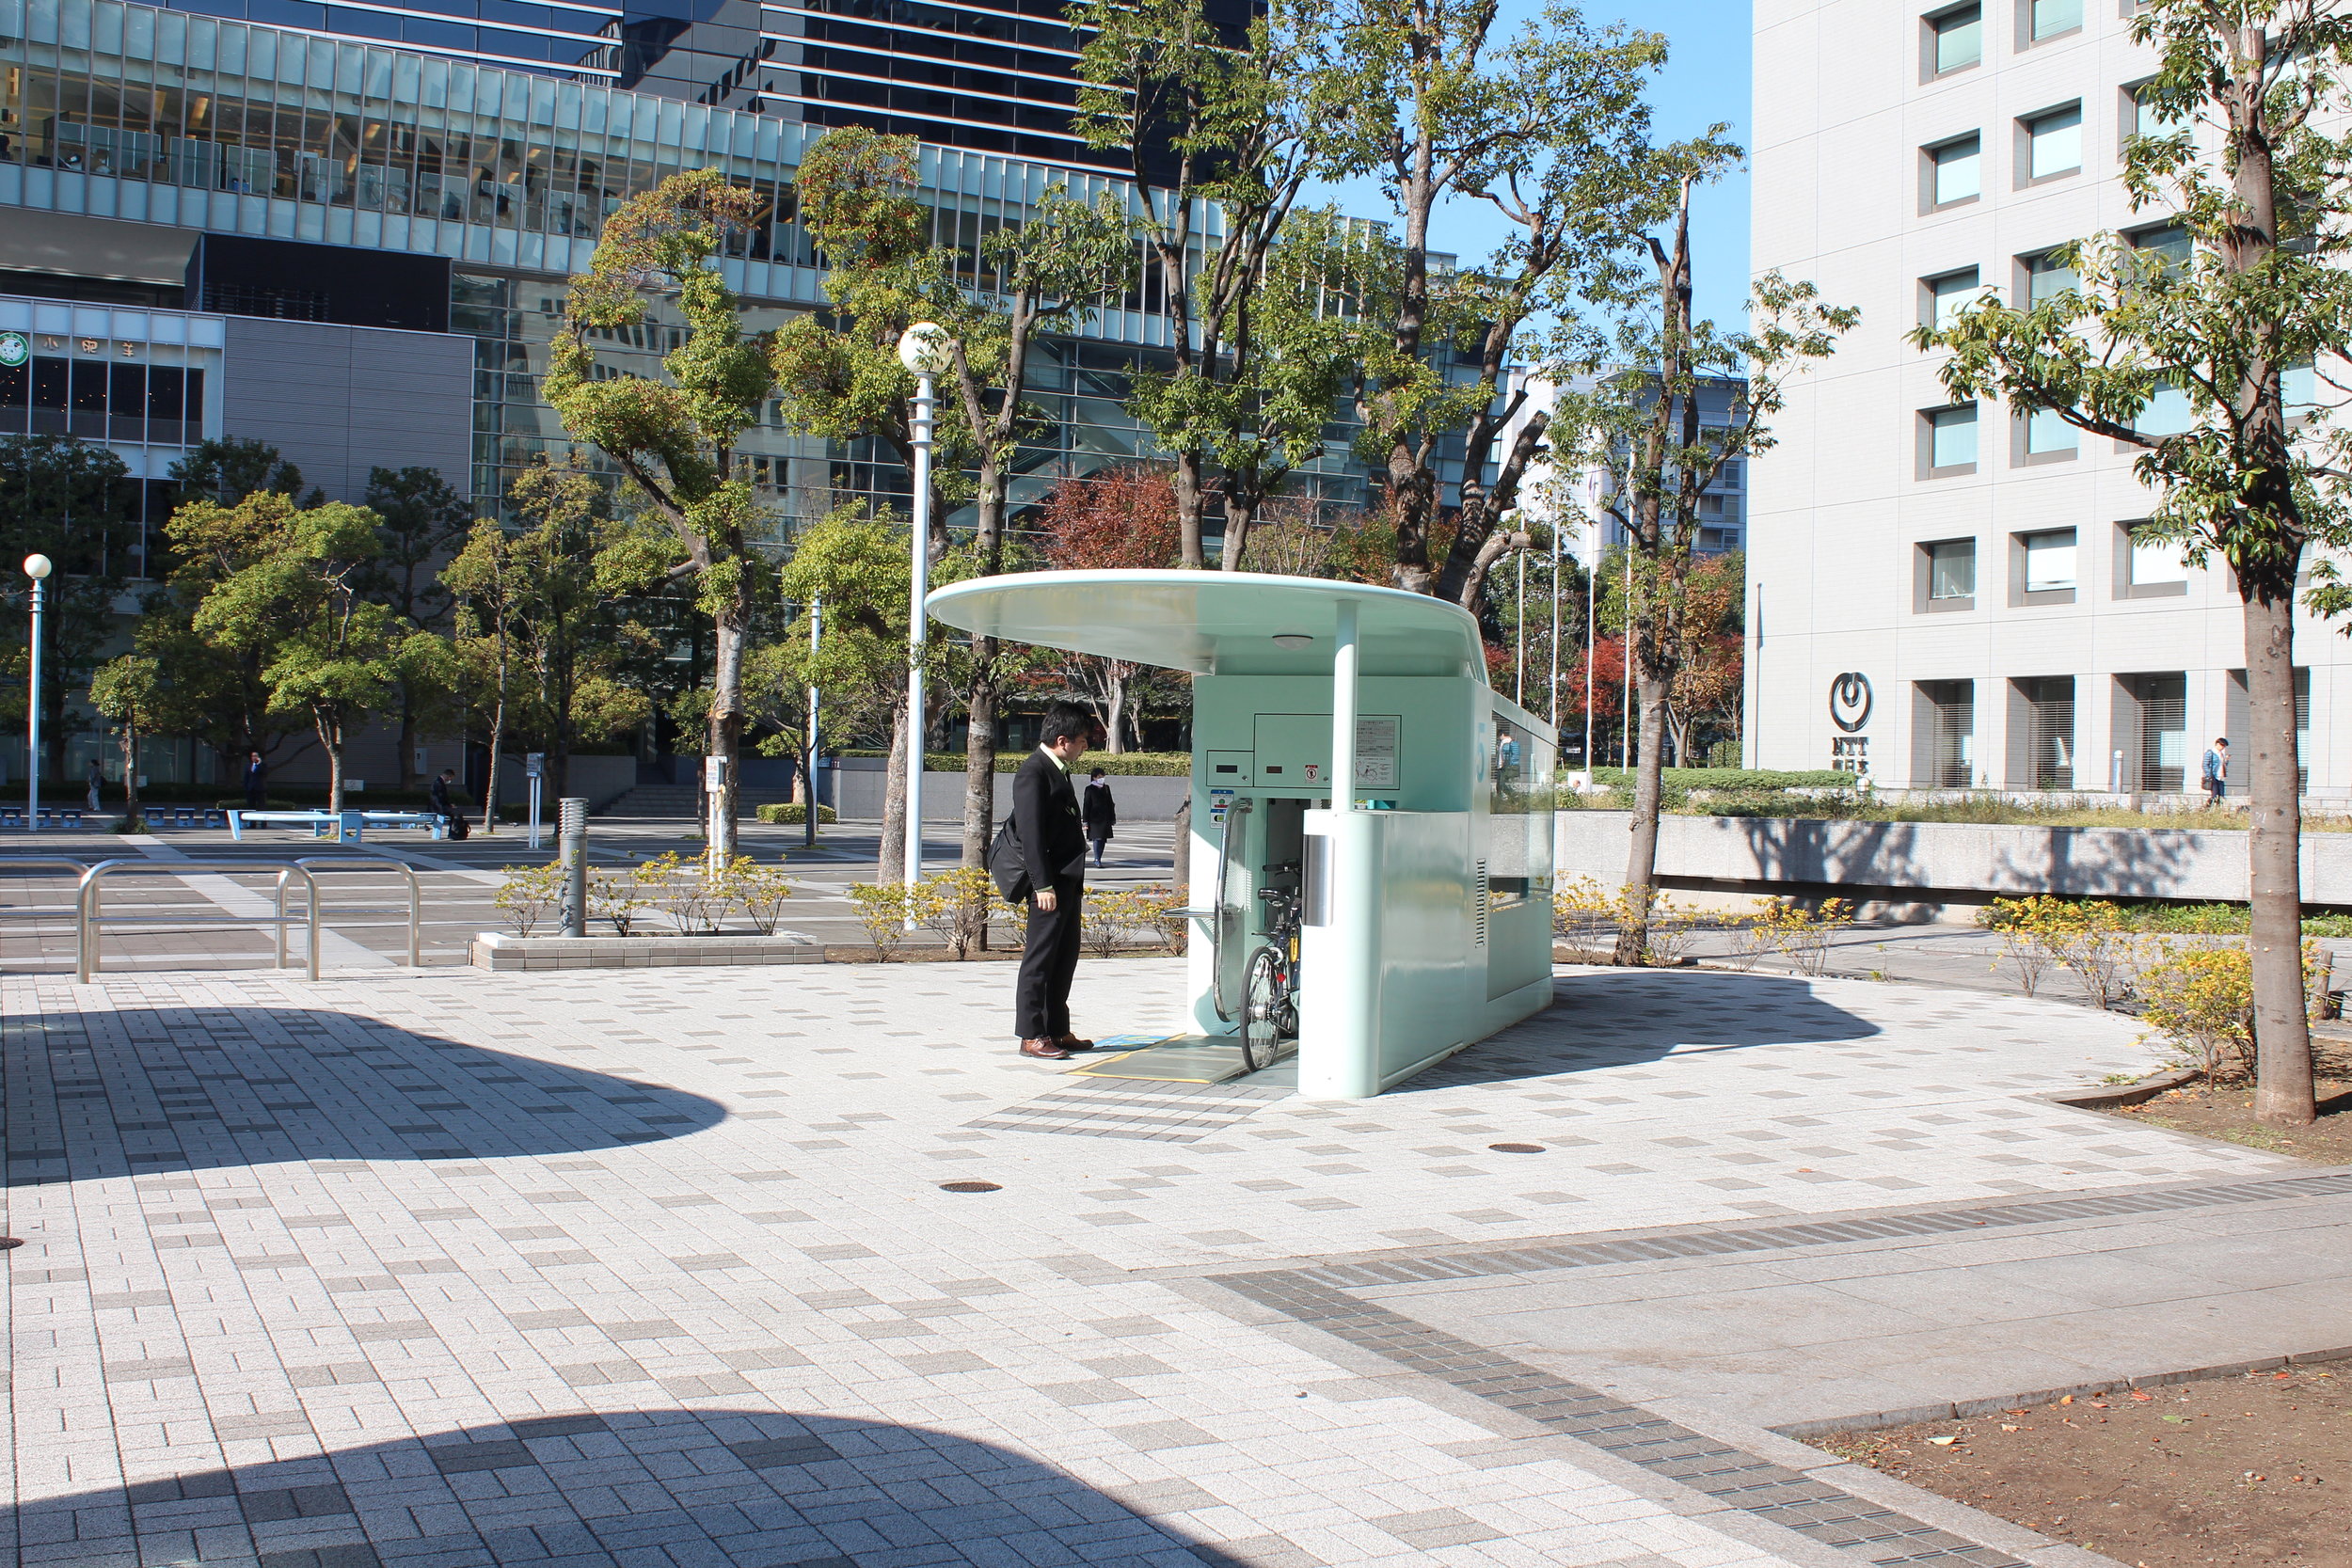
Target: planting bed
x,y
2230,1472
2229,1114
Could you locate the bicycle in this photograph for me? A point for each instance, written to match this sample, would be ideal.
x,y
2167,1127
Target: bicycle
x,y
1269,998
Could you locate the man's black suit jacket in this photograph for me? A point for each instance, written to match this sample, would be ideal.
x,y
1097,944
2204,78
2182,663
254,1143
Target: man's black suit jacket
x,y
1045,816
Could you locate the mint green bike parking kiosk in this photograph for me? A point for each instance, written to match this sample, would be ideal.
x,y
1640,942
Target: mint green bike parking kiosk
x,y
1423,887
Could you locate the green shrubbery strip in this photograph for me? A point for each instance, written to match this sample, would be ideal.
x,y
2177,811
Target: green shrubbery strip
x,y
1157,765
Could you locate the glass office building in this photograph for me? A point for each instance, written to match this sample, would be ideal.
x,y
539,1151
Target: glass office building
x,y
157,158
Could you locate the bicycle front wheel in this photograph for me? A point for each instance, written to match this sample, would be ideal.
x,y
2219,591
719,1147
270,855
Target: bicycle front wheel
x,y
1264,1001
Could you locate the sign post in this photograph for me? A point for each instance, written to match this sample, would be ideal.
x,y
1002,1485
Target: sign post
x,y
535,768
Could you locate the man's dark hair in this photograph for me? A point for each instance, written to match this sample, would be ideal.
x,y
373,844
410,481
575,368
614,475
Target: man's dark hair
x,y
1064,720
1096,774
2221,740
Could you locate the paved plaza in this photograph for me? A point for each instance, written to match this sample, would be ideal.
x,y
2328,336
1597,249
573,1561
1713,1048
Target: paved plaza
x,y
663,1267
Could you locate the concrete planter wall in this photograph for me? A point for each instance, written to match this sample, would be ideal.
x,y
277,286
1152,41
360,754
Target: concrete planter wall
x,y
497,950
862,781
1937,869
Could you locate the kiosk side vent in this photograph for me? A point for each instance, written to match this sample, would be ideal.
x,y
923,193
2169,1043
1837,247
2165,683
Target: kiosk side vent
x,y
1482,893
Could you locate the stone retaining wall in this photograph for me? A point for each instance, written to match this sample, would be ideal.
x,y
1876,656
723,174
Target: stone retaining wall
x,y
1938,870
497,950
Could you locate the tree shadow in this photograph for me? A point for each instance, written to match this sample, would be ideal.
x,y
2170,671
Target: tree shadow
x,y
750,1487
1611,1018
97,1094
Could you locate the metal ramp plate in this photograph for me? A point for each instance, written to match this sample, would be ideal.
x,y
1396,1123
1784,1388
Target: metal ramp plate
x,y
1164,1058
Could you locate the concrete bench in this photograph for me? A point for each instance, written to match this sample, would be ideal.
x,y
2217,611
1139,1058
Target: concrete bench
x,y
61,816
344,827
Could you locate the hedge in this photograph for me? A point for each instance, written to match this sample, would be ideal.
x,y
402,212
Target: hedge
x,y
1159,765
794,812
1733,777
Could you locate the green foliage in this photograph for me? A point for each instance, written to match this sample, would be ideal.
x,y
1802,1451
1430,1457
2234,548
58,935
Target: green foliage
x,y
884,909
2199,1000
794,814
68,499
1733,777
530,894
227,470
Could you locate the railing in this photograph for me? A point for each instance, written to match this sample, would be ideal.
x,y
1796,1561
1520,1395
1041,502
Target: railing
x,y
370,862
34,912
91,918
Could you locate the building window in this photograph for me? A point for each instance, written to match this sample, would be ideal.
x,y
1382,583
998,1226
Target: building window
x,y
2043,275
1944,735
2044,436
1946,296
2142,117
2042,567
2151,730
2299,387
2166,248
2041,733
1952,175
1948,442
2168,412
1947,575
2237,724
2042,19
2050,145
1954,39
2148,568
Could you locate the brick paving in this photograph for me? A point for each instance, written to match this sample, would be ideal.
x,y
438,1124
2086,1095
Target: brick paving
x,y
655,1267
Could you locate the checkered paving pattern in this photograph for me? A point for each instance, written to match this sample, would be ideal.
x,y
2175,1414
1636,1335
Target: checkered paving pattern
x,y
655,1267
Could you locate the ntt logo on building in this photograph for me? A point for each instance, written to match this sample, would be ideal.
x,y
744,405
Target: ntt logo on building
x,y
1849,701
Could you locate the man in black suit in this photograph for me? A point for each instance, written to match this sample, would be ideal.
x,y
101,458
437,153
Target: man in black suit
x,y
1054,848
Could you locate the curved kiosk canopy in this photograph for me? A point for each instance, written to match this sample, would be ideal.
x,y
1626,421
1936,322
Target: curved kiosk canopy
x,y
1427,884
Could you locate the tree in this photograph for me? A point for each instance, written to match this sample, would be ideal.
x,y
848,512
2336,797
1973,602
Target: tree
x,y
1549,127
1124,518
2250,160
838,376
68,499
422,517
129,689
1207,117
295,609
674,440
227,468
1647,434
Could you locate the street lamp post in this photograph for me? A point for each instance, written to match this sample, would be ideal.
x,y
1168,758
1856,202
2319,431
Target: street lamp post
x,y
38,568
923,349
808,773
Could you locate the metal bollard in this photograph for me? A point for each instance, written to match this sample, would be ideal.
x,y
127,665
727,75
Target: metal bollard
x,y
571,850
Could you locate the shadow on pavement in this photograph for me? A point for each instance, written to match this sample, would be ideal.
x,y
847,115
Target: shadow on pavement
x,y
1610,1018
651,1486
95,1094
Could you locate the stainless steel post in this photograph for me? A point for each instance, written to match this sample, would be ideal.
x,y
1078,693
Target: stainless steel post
x,y
571,850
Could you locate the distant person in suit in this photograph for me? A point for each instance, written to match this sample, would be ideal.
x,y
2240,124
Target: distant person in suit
x,y
96,782
1098,812
1045,818
446,805
256,782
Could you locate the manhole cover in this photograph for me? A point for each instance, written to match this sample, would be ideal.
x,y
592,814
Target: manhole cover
x,y
971,1187
1516,1149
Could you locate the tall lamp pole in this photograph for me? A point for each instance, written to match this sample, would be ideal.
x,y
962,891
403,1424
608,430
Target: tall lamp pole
x,y
38,568
808,773
923,349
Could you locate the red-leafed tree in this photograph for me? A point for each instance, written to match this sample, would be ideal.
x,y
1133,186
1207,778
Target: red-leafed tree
x,y
1124,517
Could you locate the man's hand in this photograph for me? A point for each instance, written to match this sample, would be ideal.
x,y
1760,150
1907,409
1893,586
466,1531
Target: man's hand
x,y
1046,899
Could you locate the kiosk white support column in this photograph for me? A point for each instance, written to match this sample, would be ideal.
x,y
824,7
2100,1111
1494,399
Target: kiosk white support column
x,y
1343,665
1339,1047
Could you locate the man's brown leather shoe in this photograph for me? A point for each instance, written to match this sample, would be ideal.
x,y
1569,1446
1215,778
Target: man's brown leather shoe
x,y
1047,1049
1072,1042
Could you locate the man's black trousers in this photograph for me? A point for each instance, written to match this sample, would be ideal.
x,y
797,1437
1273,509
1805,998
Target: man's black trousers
x,y
1049,961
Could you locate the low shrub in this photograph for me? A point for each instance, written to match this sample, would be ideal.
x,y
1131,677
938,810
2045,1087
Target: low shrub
x,y
1733,777
795,813
530,894
1116,764
884,909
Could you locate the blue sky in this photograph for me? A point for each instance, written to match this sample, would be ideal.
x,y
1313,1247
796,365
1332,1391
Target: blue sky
x,y
1705,80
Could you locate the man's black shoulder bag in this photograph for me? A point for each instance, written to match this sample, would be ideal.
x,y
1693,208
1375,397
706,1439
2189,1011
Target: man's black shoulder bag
x,y
1008,868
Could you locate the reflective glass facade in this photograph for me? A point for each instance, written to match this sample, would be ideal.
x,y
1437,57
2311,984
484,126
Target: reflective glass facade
x,y
185,125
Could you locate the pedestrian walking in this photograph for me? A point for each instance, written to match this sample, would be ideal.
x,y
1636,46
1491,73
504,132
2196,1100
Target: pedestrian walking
x,y
2216,770
96,780
1098,812
1052,837
445,806
256,782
